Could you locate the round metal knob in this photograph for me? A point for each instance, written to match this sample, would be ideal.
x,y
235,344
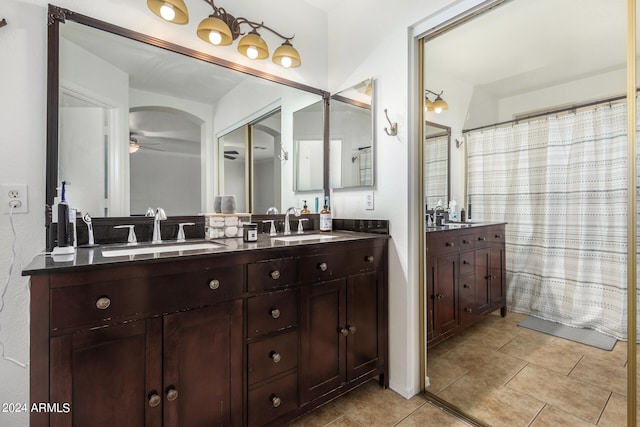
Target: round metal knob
x,y
465,261
323,266
344,331
352,329
369,258
214,284
275,313
498,236
482,238
276,357
276,401
451,244
103,303
275,275
466,242
439,297
468,310
172,394
154,400
466,286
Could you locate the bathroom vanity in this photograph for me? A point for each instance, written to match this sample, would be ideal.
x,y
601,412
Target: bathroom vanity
x,y
241,333
465,277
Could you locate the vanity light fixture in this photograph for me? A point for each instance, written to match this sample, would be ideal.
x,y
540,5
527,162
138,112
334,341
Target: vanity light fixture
x,y
437,105
222,28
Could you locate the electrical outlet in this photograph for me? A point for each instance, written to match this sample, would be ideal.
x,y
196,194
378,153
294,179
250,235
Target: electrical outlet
x,y
368,200
14,195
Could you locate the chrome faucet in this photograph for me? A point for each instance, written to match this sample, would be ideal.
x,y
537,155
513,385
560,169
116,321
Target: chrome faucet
x,y
287,225
159,216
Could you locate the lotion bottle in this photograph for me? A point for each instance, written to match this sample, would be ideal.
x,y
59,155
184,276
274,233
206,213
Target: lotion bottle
x,y
305,208
325,216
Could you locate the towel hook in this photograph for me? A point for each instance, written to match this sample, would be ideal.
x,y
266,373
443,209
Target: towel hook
x,y
3,22
394,126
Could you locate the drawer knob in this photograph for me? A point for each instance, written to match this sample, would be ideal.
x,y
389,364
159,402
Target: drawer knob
x,y
172,394
464,261
369,258
103,303
498,236
482,238
466,286
344,331
450,244
154,399
275,356
214,284
439,297
323,266
275,275
275,313
468,310
352,330
275,401
466,242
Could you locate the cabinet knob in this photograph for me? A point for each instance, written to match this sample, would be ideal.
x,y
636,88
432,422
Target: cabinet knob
x,y
214,284
344,331
450,244
275,356
464,261
467,286
323,266
439,297
172,394
466,242
275,401
482,238
103,303
154,399
490,277
468,310
352,330
275,275
369,258
498,236
275,313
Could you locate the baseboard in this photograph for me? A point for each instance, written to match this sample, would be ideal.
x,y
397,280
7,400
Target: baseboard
x,y
407,392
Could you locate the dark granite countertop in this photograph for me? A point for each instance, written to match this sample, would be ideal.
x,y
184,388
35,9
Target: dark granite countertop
x,y
88,258
460,226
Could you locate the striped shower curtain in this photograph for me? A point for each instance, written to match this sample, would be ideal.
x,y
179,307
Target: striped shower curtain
x,y
560,184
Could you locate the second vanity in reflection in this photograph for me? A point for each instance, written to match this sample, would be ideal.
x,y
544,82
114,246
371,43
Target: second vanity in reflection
x,y
465,277
235,334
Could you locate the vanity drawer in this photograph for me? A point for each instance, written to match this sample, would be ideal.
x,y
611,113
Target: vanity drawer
x,y
273,400
272,356
467,262
466,241
496,234
272,312
272,273
343,261
443,243
114,301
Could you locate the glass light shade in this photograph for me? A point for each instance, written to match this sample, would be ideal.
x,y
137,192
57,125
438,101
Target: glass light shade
x,y
133,147
167,12
212,28
286,56
252,44
428,105
439,104
179,9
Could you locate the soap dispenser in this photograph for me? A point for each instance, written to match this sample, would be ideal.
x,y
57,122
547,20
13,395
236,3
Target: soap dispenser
x,y
305,208
325,216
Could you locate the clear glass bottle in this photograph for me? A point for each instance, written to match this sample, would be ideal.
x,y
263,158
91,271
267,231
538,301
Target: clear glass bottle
x,y
325,216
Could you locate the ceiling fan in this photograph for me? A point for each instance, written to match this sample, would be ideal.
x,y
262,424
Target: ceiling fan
x,y
231,154
134,145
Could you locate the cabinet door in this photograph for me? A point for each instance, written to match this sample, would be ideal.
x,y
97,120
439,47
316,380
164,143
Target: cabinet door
x,y
203,366
364,348
109,376
322,364
497,272
483,280
445,312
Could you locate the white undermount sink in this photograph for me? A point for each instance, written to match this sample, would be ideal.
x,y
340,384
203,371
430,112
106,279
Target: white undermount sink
x,y
135,249
304,237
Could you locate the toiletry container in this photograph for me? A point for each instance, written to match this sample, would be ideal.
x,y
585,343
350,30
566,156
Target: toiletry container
x,y
325,216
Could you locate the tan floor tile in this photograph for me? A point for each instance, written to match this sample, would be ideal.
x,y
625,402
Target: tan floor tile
x,y
543,350
494,366
492,336
497,406
615,413
442,372
345,422
575,397
601,373
447,345
554,417
321,416
371,405
430,415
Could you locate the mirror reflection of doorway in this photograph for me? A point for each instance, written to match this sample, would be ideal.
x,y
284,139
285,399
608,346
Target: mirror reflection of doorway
x,y
252,164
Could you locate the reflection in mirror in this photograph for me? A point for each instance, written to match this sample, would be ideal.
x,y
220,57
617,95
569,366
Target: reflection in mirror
x,y
108,77
308,152
436,164
352,142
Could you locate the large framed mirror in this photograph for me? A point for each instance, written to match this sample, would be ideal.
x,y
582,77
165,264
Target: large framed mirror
x,y
135,122
437,149
352,138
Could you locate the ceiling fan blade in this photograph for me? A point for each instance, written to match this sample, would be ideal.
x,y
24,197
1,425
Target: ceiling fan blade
x,y
229,157
231,152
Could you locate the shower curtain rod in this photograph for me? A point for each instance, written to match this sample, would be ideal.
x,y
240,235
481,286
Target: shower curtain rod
x,y
548,113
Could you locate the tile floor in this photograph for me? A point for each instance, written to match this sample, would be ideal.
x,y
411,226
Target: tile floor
x,y
502,374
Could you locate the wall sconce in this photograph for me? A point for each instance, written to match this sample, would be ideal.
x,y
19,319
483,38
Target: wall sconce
x,y
221,29
438,105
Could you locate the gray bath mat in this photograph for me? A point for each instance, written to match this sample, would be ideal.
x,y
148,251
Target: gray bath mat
x,y
583,336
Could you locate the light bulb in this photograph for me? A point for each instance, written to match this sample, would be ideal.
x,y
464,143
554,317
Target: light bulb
x,y
285,62
167,12
215,37
438,110
252,52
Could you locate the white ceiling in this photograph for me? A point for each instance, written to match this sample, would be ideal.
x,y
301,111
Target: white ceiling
x,y
525,45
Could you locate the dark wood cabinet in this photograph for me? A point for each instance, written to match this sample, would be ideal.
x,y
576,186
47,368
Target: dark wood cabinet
x,y
240,339
465,278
